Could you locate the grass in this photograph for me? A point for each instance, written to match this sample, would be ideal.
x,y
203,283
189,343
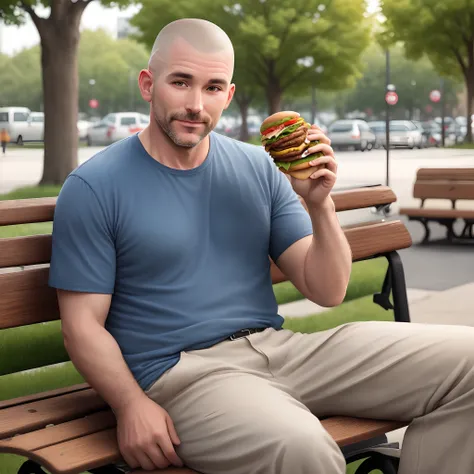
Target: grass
x,y
366,279
463,146
31,192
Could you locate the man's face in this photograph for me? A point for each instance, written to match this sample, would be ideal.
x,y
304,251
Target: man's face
x,y
191,89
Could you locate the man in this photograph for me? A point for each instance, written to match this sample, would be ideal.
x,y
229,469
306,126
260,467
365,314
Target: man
x,y
160,258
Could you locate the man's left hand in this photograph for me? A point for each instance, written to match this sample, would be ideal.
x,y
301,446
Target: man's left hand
x,y
315,190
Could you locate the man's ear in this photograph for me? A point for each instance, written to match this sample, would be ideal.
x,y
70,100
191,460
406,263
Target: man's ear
x,y
145,83
230,95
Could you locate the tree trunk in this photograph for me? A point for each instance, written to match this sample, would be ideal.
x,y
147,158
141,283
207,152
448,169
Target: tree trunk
x,y
59,47
244,103
470,96
274,92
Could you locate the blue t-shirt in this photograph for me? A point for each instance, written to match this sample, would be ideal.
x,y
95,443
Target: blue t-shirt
x,y
184,253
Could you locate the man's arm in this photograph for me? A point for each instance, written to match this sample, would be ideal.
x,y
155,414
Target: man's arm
x,y
319,265
145,431
93,350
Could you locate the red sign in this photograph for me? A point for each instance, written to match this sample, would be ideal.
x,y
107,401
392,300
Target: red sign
x,y
435,96
93,103
391,98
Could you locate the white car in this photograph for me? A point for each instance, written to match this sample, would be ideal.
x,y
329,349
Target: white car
x,y
22,124
116,126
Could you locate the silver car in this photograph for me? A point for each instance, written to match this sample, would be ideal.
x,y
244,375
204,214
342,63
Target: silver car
x,y
404,133
351,134
114,127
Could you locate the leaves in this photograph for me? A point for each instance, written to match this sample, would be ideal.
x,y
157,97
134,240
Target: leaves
x,y
444,31
287,44
113,65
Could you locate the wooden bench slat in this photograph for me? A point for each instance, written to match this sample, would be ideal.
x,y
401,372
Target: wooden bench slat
x,y
27,298
466,174
373,240
42,395
443,190
437,213
32,416
363,197
88,452
366,240
30,250
346,430
25,211
99,448
60,433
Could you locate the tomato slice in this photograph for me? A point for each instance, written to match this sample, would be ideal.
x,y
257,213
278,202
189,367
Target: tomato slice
x,y
282,125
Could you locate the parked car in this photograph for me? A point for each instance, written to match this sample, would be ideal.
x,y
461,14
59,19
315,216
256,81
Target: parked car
x,y
378,127
351,133
116,126
22,124
424,138
404,133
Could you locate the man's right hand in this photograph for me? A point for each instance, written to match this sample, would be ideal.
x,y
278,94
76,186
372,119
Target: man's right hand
x,y
146,435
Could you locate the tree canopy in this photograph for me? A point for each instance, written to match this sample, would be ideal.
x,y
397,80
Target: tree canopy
x,y
281,46
443,30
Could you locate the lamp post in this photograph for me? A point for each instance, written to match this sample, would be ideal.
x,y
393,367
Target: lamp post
x,y
387,117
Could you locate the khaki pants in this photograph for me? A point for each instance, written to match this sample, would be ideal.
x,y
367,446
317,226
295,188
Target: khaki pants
x,y
251,406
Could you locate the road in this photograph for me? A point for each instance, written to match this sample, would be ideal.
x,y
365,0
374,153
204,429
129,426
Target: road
x,y
436,266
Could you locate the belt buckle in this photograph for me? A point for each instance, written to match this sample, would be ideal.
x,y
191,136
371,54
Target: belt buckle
x,y
241,333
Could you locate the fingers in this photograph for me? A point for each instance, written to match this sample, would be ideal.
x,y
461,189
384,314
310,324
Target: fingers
x,y
318,136
328,176
327,160
156,453
319,148
172,431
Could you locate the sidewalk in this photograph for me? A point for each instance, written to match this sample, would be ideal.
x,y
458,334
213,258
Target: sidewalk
x,y
453,306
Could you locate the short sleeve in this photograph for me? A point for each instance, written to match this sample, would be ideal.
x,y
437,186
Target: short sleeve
x,y
83,250
290,221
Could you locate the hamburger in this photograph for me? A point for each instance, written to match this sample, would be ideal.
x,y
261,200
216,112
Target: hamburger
x,y
284,136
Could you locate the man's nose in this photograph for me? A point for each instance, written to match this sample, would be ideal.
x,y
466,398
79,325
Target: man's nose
x,y
194,102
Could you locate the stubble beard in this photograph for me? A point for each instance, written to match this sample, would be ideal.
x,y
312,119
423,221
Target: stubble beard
x,y
166,125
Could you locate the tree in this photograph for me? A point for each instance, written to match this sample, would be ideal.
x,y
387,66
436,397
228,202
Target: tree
x,y
280,48
413,79
108,71
59,37
443,30
112,66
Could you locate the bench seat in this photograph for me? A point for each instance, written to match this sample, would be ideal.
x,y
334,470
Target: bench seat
x,y
449,184
437,213
71,430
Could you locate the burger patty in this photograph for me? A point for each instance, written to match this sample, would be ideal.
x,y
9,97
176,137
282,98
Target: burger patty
x,y
292,156
298,137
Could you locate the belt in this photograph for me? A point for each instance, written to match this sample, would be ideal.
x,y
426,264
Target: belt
x,y
245,332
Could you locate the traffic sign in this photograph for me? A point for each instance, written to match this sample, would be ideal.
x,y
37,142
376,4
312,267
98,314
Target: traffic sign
x,y
93,103
391,98
435,95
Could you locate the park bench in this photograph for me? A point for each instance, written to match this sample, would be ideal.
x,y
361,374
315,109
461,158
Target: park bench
x,y
453,184
72,430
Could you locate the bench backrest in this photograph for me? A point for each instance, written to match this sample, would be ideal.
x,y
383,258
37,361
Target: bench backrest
x,y
444,183
26,298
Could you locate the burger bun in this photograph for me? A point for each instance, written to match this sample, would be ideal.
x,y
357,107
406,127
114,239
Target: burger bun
x,y
304,173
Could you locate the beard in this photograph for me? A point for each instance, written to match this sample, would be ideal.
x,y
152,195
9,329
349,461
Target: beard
x,y
166,124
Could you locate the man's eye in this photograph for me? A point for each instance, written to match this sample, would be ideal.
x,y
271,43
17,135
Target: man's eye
x,y
179,83
216,89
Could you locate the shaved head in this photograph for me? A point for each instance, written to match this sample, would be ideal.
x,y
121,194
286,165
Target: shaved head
x,y
201,35
188,80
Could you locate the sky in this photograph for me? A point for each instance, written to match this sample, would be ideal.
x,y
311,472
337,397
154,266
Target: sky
x,y
14,39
